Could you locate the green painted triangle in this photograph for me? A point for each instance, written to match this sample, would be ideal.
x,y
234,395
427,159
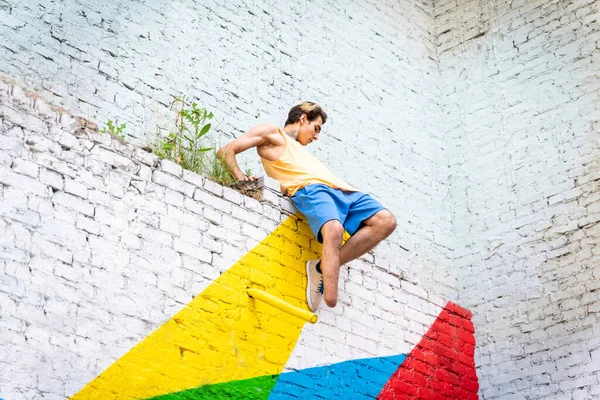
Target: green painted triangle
x,y
258,388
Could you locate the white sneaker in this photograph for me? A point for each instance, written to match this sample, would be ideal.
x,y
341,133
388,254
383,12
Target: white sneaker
x,y
314,288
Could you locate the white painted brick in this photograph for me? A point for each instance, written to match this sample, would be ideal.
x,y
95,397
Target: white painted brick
x,y
175,198
414,290
51,178
243,214
213,201
171,168
145,173
232,195
173,183
269,183
25,167
212,215
252,204
213,187
51,250
76,188
74,203
170,226
192,251
10,178
253,232
502,121
145,157
287,205
271,197
193,178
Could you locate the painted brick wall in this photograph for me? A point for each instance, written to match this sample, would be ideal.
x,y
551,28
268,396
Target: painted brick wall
x,y
372,65
126,277
521,97
518,125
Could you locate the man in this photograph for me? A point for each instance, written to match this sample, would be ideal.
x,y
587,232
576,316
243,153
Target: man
x,y
329,204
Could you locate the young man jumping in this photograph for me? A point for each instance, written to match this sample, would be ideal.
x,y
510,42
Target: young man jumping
x,y
329,204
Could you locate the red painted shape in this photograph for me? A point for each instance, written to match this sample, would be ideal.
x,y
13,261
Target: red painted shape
x,y
441,366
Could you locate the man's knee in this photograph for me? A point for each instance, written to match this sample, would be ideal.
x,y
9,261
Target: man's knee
x,y
330,300
387,222
332,231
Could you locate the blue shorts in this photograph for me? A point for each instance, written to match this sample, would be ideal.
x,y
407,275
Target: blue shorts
x,y
319,203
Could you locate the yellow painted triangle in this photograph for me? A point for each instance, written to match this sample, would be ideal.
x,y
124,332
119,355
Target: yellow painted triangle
x,y
222,334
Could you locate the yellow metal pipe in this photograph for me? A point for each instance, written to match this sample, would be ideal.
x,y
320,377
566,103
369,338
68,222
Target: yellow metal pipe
x,y
283,305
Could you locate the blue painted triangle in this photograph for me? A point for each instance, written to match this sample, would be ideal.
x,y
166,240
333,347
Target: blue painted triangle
x,y
355,379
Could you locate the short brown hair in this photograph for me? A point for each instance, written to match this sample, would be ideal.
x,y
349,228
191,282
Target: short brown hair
x,y
312,111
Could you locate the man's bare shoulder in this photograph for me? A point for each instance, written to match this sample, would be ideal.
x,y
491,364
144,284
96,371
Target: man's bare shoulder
x,y
270,132
266,129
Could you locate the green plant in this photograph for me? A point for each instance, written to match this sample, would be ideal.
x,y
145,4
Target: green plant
x,y
185,143
114,129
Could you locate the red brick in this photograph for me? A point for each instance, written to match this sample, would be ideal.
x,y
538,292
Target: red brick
x,y
471,373
435,385
407,375
468,325
446,376
466,337
426,394
469,385
432,334
448,390
445,327
443,316
417,354
425,343
420,380
460,369
451,307
463,312
445,351
423,368
406,388
462,394
455,320
460,347
445,339
469,351
445,362
431,357
467,360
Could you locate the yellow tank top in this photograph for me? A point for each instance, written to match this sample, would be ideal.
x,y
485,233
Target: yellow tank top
x,y
297,168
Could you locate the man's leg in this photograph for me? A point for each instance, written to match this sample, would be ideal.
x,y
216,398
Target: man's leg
x,y
332,233
375,229
334,255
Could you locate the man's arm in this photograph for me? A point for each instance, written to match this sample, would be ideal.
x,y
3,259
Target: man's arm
x,y
255,137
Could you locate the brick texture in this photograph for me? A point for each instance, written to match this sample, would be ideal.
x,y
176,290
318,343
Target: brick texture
x,y
372,66
105,246
521,95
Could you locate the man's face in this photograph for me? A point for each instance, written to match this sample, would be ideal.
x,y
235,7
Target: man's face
x,y
309,130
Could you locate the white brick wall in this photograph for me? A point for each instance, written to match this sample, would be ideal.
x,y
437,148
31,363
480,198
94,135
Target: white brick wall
x,y
521,103
372,65
475,122
102,244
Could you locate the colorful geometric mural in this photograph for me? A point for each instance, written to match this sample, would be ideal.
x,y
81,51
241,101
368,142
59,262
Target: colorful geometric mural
x,y
222,335
442,365
227,345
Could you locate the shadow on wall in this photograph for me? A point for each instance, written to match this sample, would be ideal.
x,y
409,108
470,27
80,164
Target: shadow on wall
x,y
225,345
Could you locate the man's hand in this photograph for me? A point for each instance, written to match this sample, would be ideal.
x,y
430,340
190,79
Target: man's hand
x,y
250,178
